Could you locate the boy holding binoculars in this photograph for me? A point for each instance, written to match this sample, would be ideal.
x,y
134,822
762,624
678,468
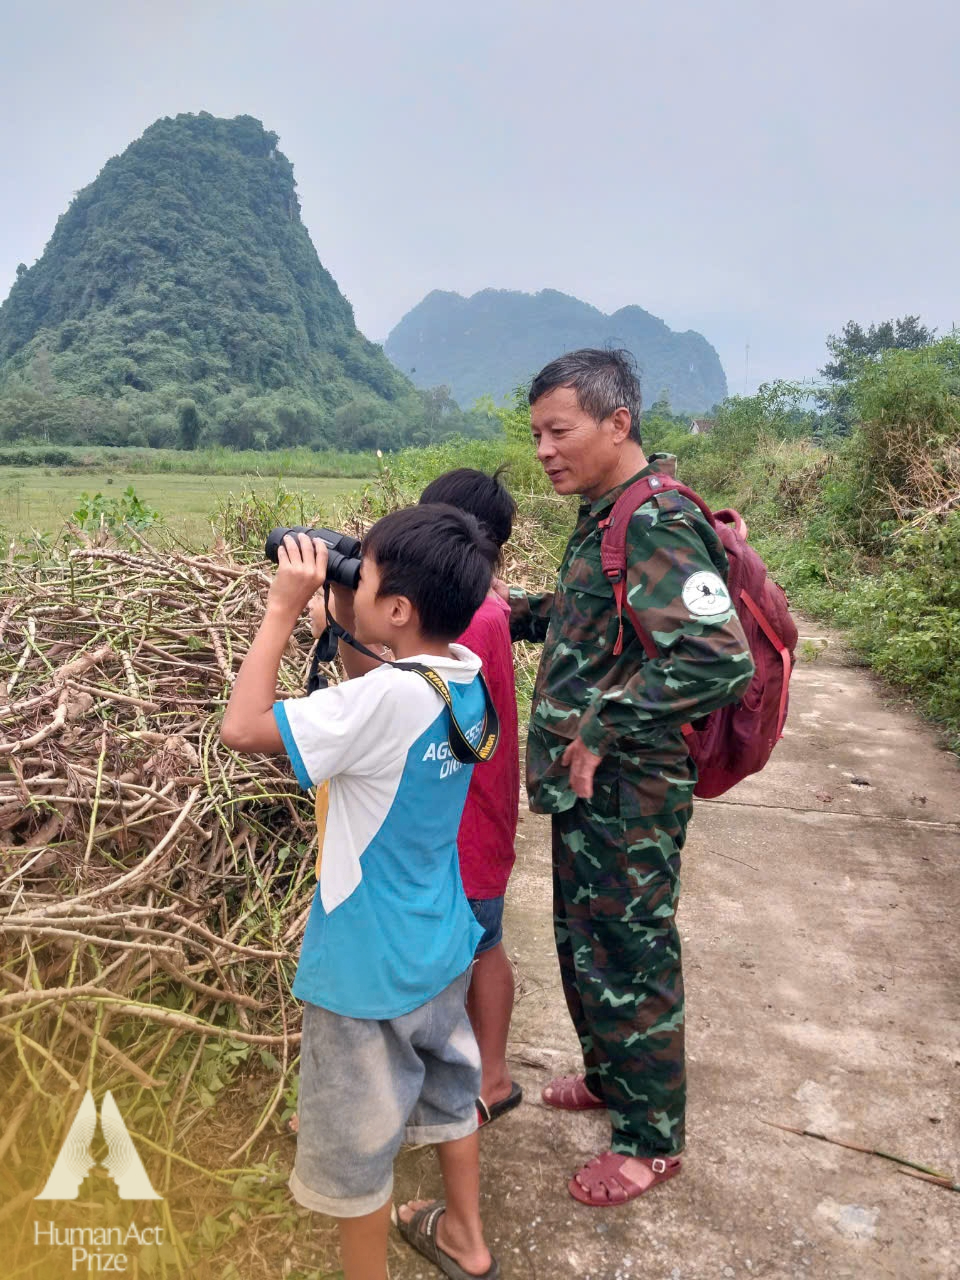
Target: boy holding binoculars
x,y
387,1053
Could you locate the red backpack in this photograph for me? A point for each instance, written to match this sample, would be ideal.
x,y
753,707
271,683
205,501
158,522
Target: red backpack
x,y
736,740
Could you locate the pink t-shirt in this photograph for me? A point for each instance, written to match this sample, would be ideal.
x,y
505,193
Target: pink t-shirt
x,y
489,823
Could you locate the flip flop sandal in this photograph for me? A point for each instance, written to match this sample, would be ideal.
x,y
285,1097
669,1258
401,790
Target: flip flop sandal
x,y
485,1113
601,1183
421,1233
572,1094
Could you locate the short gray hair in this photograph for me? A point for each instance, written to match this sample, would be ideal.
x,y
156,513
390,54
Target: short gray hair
x,y
603,380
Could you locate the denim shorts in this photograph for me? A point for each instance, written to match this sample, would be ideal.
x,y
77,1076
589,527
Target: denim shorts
x,y
367,1086
489,913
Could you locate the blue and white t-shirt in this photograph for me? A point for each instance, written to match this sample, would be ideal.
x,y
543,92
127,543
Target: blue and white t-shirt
x,y
390,926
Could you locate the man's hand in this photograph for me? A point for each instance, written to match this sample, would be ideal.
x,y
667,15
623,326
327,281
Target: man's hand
x,y
301,572
582,764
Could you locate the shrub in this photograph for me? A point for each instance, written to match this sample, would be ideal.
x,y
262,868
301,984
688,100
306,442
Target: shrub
x,y
906,619
904,457
98,515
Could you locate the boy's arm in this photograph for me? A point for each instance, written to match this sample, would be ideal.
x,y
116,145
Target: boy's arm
x,y
249,724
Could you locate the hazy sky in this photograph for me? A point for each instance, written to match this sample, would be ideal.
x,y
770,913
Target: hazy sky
x,y
758,170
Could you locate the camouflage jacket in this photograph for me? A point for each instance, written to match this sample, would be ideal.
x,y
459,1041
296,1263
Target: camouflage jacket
x,y
628,708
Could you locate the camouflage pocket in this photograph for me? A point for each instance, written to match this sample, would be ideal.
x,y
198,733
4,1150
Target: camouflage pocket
x,y
624,869
552,719
651,783
548,780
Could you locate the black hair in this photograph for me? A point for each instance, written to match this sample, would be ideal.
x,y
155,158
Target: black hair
x,y
439,558
485,497
603,380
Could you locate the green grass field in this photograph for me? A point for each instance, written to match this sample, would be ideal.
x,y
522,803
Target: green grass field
x,y
202,462
35,499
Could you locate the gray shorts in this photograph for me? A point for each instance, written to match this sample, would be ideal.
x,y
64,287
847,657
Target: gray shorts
x,y
368,1086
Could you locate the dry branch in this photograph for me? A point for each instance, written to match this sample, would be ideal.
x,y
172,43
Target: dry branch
x,y
145,872
154,887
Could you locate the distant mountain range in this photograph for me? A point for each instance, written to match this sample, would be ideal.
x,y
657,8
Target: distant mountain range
x,y
498,339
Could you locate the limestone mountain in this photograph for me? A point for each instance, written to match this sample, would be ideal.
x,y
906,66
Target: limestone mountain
x,y
183,271
497,339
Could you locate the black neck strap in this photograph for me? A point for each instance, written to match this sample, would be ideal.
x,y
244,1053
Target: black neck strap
x,y
325,650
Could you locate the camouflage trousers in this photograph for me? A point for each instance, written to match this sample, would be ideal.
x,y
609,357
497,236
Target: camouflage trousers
x,y
616,882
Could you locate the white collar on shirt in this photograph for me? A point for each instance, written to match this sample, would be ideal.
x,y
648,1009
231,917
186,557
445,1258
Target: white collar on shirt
x,y
460,667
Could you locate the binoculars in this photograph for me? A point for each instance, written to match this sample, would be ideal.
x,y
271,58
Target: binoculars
x,y
343,552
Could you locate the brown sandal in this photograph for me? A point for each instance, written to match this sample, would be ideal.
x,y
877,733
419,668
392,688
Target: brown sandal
x,y
601,1182
572,1094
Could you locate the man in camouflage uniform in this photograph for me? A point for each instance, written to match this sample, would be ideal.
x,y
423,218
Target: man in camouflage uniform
x,y
606,757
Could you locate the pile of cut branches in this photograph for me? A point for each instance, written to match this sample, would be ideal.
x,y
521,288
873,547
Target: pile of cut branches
x,y
153,885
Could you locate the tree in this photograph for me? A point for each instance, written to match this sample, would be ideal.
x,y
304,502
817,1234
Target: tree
x,y
855,344
661,406
441,413
189,424
248,426
852,350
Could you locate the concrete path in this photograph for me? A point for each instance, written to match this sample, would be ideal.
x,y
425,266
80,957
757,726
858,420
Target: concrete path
x,y
822,957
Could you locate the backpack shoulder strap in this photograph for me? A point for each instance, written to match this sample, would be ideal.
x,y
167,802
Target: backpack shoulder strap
x,y
613,543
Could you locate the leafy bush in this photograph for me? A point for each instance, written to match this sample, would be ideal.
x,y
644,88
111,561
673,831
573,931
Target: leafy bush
x,y
861,535
36,458
904,457
906,619
97,514
244,520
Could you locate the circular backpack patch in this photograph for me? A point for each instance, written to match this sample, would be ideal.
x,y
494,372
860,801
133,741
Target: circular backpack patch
x,y
705,594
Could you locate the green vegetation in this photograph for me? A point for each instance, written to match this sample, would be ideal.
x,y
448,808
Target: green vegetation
x,y
180,302
864,534
489,343
114,514
207,462
851,353
37,502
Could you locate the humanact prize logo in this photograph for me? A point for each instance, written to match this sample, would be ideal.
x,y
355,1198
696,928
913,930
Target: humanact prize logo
x,y
73,1163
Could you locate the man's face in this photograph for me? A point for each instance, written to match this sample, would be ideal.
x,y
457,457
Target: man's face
x,y
579,454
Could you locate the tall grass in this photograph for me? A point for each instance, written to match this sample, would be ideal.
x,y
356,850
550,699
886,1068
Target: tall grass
x,y
217,461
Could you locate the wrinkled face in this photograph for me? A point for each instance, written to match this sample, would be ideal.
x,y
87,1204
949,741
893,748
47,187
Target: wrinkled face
x,y
371,615
579,454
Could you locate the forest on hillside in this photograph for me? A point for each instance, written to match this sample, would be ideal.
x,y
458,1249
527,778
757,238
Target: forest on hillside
x,y
181,302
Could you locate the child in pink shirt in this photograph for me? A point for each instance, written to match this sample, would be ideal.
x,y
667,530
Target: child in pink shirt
x,y
489,823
